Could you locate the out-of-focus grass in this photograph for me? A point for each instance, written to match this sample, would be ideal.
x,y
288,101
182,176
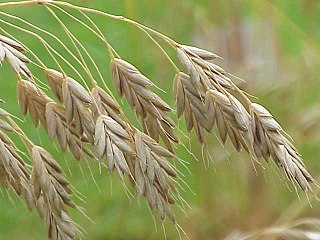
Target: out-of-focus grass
x,y
274,45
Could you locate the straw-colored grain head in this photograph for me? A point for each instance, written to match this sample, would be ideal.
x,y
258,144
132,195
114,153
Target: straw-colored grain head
x,y
11,51
153,175
200,69
190,103
270,141
77,102
52,192
113,144
14,171
149,107
55,80
67,135
33,100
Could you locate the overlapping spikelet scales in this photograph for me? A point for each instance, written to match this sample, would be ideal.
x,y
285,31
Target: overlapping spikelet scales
x,y
151,109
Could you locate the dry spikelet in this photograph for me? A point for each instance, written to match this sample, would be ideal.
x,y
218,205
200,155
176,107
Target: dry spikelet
x,y
58,227
77,102
48,180
55,80
190,102
269,141
33,100
133,153
113,144
200,70
203,108
47,188
260,135
194,100
13,170
153,175
231,118
195,51
52,190
147,105
52,117
11,51
146,163
66,133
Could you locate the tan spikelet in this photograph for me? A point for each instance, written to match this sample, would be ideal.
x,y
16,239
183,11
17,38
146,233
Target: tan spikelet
x,y
13,170
190,103
52,191
113,144
269,141
200,70
58,227
231,118
148,106
33,100
153,175
11,51
77,102
66,134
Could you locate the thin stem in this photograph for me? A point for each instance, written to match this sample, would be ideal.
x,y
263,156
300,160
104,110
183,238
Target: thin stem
x,y
36,35
162,50
146,30
48,48
140,26
46,45
118,18
101,36
72,39
9,4
110,48
59,41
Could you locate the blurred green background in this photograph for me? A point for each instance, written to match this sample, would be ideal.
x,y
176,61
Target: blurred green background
x,y
273,45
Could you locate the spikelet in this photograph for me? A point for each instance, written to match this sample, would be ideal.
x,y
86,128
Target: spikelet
x,y
190,103
269,141
33,100
231,118
11,51
151,109
52,191
153,175
113,144
67,135
77,102
200,70
13,170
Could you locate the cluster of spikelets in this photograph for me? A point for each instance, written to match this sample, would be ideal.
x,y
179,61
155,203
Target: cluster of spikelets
x,y
80,119
83,119
205,96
